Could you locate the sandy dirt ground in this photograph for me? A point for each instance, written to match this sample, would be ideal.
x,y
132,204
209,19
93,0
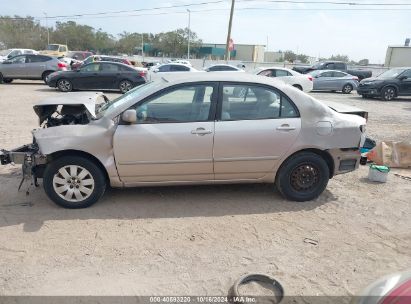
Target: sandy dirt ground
x,y
198,240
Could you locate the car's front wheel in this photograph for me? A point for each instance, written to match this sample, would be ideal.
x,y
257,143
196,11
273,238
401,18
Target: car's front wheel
x,y
303,177
125,86
64,85
74,182
7,80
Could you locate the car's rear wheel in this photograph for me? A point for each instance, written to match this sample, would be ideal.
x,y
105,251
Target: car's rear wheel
x,y
388,93
74,182
125,86
44,76
303,177
7,80
64,85
298,87
347,89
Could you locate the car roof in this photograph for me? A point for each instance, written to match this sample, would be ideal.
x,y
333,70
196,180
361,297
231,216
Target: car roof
x,y
110,62
221,76
274,67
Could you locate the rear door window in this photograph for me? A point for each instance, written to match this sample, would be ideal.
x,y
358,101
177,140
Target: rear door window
x,y
282,73
339,66
179,68
109,68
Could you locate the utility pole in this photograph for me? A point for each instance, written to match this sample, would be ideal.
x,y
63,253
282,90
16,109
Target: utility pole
x,y
142,46
48,32
230,22
189,34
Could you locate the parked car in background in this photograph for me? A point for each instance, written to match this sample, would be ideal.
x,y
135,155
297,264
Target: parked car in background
x,y
297,80
389,85
168,132
164,69
95,58
223,68
333,65
103,75
30,67
330,80
10,53
148,65
57,50
79,55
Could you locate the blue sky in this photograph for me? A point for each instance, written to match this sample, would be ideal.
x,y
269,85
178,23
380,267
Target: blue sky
x,y
317,32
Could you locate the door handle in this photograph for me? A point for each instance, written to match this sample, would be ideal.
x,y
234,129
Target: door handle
x,y
285,127
201,131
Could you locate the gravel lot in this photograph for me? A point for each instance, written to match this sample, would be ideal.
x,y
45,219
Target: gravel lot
x,y
198,240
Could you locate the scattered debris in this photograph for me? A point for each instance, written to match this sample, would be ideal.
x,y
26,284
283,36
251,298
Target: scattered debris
x,y
311,241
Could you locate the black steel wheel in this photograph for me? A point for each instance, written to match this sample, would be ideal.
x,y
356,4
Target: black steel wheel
x,y
303,177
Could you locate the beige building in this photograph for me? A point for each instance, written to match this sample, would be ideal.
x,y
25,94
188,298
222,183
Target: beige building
x,y
242,52
398,56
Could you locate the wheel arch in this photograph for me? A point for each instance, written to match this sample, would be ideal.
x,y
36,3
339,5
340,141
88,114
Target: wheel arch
x,y
395,86
72,152
323,153
45,72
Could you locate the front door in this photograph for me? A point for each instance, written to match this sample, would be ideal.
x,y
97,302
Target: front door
x,y
14,67
405,84
88,77
172,140
253,132
324,81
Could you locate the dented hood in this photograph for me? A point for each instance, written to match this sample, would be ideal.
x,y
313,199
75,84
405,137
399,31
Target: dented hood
x,y
86,99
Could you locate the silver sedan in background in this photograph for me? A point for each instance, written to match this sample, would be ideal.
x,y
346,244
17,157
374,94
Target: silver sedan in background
x,y
329,80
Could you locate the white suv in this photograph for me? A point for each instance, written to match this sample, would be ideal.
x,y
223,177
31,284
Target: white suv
x,y
7,54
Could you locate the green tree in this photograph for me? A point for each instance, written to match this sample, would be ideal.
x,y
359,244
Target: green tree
x,y
290,56
303,58
338,57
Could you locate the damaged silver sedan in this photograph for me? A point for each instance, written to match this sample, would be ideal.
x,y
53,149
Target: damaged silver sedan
x,y
189,130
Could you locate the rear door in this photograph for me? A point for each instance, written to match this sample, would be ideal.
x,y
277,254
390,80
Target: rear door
x,y
252,132
109,76
35,65
338,80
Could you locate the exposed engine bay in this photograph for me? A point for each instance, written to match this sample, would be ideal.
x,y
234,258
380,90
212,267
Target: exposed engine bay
x,y
69,109
58,115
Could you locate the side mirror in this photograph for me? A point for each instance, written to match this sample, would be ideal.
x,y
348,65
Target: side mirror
x,y
9,56
156,70
129,116
317,76
403,77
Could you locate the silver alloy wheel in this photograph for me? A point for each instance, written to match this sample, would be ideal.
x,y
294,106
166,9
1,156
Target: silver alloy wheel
x,y
347,88
125,86
73,183
389,94
64,85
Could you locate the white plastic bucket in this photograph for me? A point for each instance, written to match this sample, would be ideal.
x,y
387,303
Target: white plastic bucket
x,y
378,173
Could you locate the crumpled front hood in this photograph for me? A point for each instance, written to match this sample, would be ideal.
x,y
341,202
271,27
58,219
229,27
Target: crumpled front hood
x,y
86,99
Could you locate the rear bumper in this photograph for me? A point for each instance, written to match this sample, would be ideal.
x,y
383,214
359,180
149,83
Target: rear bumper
x,y
345,160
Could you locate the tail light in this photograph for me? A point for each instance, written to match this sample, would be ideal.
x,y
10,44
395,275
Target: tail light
x,y
310,78
355,78
61,65
142,73
126,61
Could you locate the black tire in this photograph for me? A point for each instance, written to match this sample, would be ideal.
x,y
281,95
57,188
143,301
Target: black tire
x,y
303,177
1,78
364,96
7,80
298,87
93,183
45,74
64,85
388,93
347,88
125,86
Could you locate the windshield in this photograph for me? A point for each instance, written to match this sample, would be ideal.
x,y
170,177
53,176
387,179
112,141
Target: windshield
x,y
52,47
4,52
135,93
391,73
